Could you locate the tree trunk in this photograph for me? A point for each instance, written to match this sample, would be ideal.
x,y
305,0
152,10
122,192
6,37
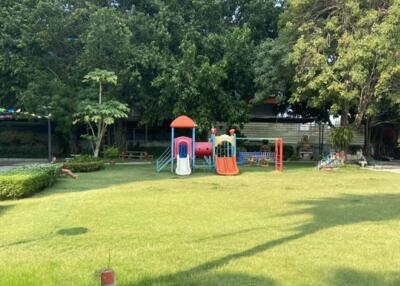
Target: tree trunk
x,y
97,149
100,133
362,109
120,135
344,119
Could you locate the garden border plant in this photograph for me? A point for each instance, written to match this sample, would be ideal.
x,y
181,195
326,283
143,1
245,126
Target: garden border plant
x,y
84,163
25,181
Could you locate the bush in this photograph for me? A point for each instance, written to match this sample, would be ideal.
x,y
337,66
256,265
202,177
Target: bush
x,y
27,180
84,163
288,151
111,153
342,137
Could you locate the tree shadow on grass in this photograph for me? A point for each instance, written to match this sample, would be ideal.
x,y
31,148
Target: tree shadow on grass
x,y
113,176
222,235
350,277
347,209
209,279
74,231
326,213
126,174
5,208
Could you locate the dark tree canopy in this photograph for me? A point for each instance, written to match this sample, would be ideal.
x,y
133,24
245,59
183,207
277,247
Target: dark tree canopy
x,y
170,56
206,58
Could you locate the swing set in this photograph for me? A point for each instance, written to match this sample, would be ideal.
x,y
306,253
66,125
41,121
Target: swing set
x,y
276,156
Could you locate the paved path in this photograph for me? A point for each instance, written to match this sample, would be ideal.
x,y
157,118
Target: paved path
x,y
6,164
4,168
393,167
384,170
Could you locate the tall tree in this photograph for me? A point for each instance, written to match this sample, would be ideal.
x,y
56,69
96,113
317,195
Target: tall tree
x,y
206,48
345,52
98,116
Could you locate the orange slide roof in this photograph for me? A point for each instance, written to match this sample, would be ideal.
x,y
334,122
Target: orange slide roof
x,y
183,122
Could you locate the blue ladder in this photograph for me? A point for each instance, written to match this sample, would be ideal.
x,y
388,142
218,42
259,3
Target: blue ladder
x,y
164,160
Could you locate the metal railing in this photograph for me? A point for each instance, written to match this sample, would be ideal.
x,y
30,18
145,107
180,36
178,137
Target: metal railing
x,y
164,160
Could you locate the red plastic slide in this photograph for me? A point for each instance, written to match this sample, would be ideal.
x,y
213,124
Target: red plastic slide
x,y
226,166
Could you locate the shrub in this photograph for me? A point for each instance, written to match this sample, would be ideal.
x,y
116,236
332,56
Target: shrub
x,y
111,153
26,180
288,151
342,137
84,163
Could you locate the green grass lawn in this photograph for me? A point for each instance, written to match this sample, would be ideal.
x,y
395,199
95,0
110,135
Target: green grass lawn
x,y
302,227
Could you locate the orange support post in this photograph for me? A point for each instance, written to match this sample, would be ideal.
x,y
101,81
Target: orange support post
x,y
281,165
276,155
279,155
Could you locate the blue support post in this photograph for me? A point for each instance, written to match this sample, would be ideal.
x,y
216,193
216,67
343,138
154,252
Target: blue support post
x,y
193,148
172,149
213,150
234,145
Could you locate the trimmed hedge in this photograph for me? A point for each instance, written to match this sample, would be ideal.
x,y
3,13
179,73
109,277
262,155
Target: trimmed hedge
x,y
84,163
27,180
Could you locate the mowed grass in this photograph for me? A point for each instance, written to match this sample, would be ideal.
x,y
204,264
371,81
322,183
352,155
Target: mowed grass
x,y
302,227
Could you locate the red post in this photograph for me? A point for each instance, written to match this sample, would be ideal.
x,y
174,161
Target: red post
x,y
281,156
276,155
107,277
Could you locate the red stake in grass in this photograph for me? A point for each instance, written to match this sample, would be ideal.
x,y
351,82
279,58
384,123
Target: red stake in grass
x,y
107,275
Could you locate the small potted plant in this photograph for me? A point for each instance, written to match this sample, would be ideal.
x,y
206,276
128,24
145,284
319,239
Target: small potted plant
x,y
111,153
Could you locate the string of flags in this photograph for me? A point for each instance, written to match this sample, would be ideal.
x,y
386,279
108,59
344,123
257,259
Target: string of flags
x,y
8,113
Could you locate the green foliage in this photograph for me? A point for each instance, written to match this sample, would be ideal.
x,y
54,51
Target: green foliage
x,y
273,72
342,137
84,163
26,180
170,57
105,113
345,54
84,159
106,38
98,116
101,77
200,85
111,153
288,151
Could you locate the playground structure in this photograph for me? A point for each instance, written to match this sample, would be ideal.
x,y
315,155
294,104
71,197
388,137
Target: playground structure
x,y
218,153
224,153
331,161
263,158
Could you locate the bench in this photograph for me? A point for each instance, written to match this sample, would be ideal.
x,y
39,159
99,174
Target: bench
x,y
136,155
306,155
359,159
